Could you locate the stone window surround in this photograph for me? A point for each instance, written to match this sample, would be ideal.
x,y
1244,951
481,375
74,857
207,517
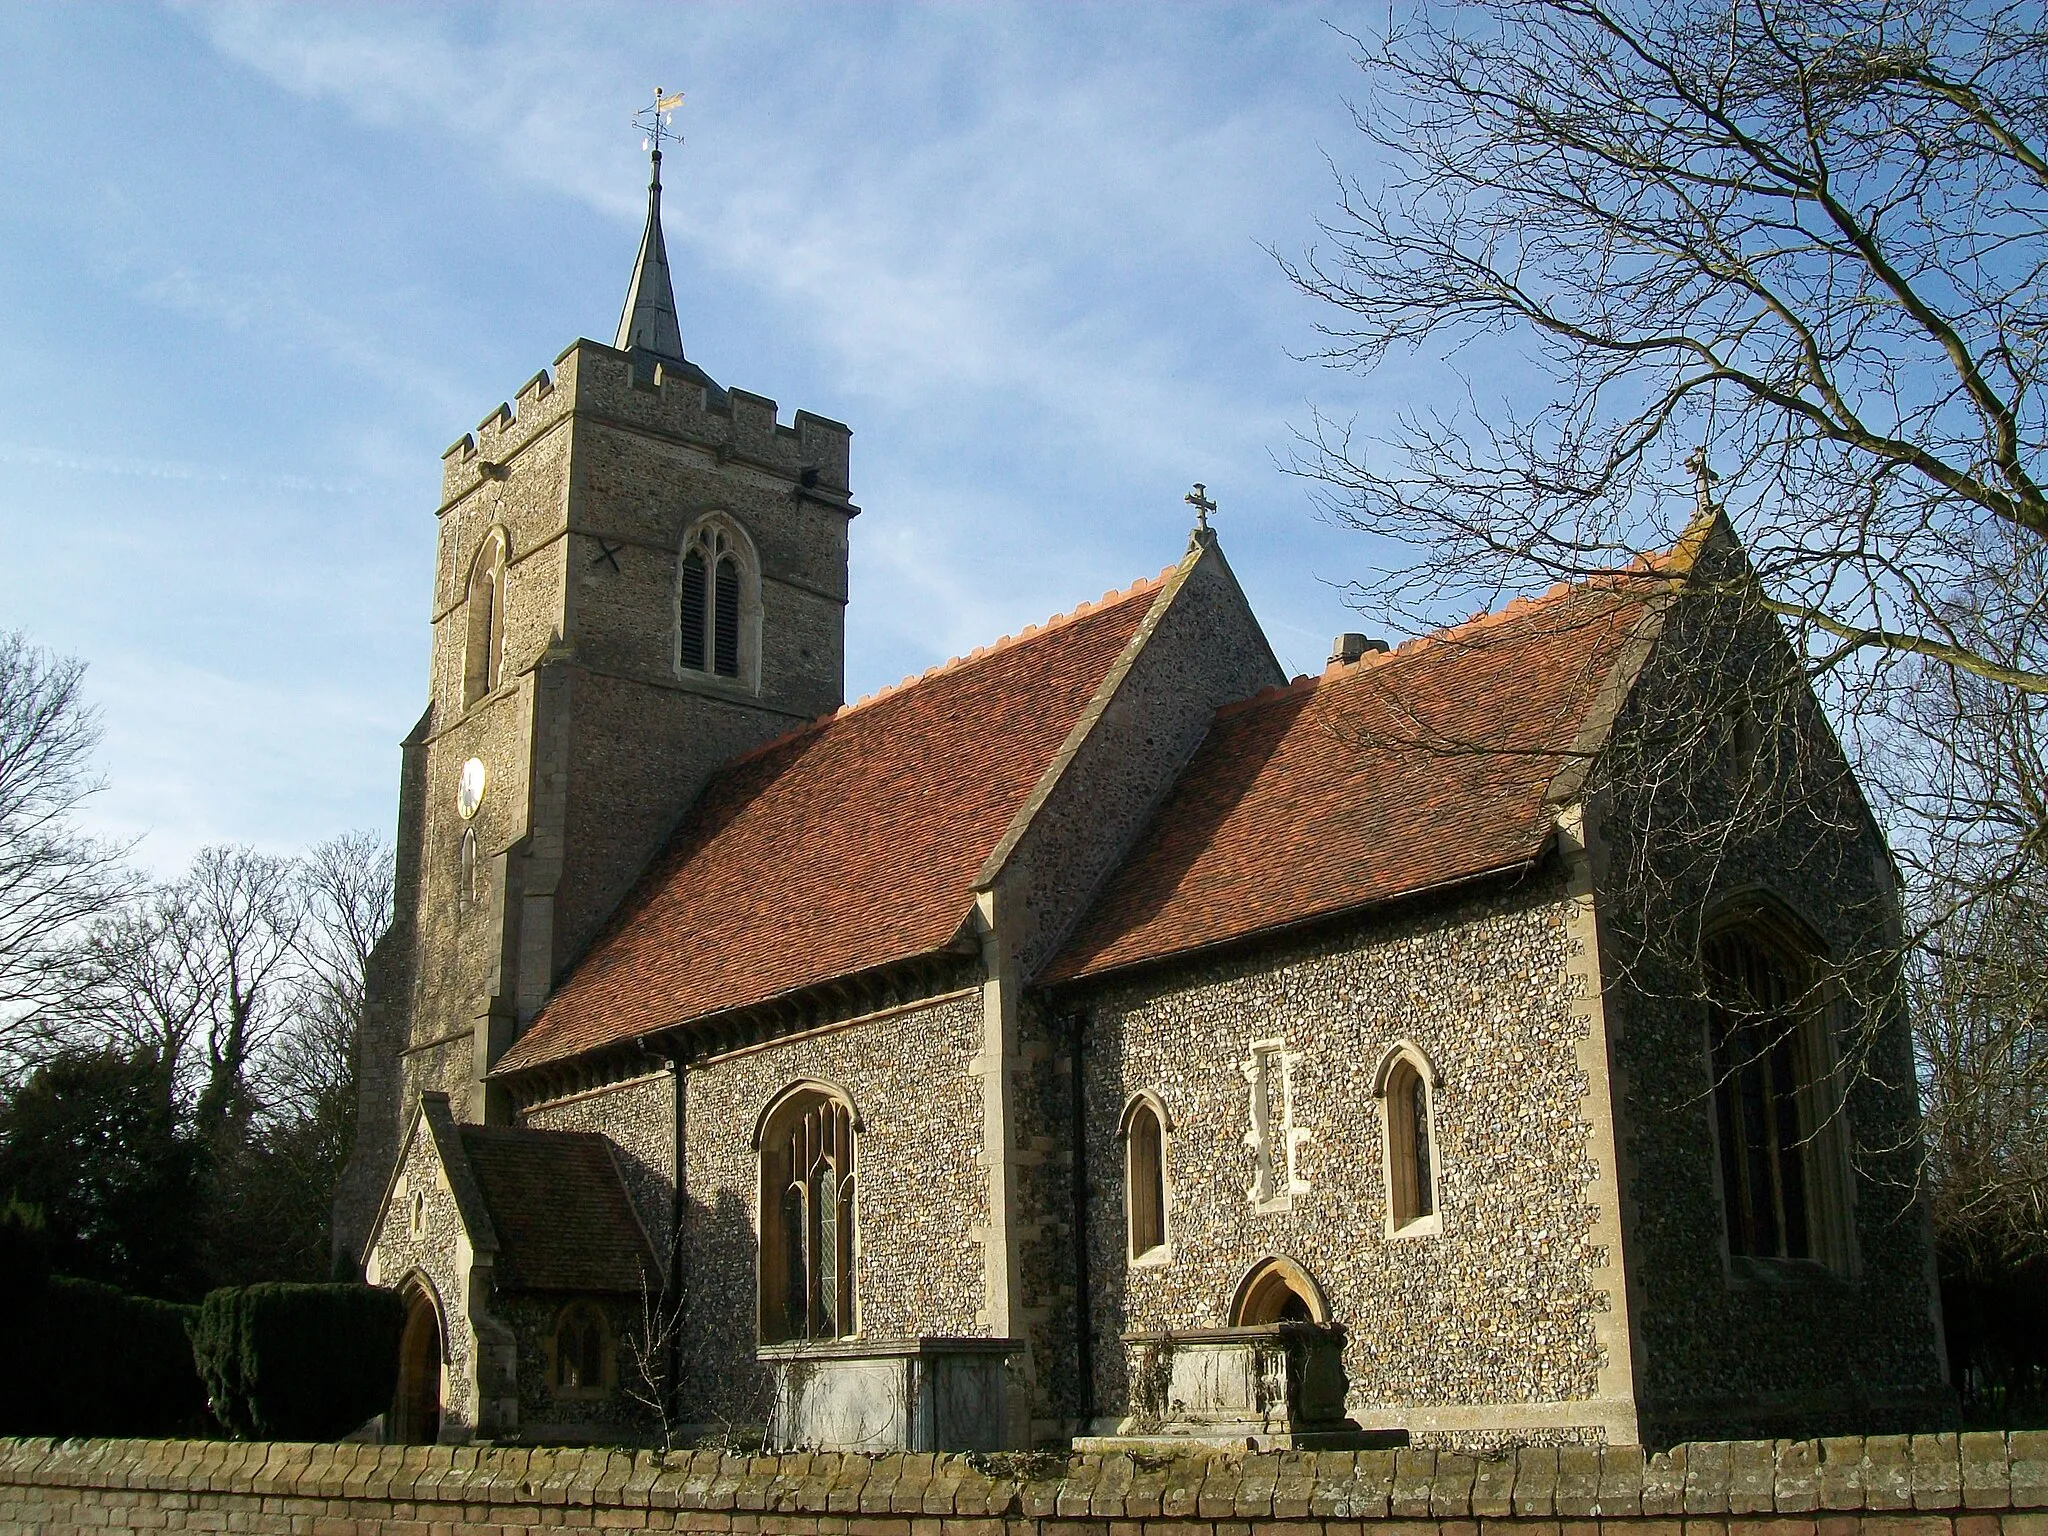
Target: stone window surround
x,y
1276,1174
483,649
1160,1255
1408,1053
764,1124
740,545
1769,920
576,1313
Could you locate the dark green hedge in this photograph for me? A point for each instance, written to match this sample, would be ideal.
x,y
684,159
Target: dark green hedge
x,y
91,1360
298,1362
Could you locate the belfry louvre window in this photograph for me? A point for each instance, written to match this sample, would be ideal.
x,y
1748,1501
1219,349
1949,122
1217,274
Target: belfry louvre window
x,y
694,610
1783,1185
1145,1180
712,597
807,1210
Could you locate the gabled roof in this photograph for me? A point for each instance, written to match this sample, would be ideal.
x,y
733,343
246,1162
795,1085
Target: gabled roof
x,y
851,844
1405,771
559,1207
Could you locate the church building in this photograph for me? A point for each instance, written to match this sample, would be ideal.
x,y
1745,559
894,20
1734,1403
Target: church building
x,y
1102,1036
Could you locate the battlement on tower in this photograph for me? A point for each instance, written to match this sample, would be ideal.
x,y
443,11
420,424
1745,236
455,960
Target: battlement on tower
x,y
592,379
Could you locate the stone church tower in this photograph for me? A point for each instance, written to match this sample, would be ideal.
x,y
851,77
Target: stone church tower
x,y
640,575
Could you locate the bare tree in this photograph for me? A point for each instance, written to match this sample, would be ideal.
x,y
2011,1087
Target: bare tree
x,y
346,884
303,1086
1805,238
198,971
53,878
1801,245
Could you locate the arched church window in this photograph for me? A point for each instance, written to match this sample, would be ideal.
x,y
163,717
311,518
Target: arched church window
x,y
484,650
808,1184
1407,1091
1145,1192
1776,1115
718,602
583,1361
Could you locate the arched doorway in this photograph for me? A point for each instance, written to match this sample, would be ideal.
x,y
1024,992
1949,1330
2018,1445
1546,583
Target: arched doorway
x,y
416,1415
1278,1291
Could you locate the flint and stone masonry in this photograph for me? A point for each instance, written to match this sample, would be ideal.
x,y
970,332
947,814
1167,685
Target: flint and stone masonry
x,y
649,886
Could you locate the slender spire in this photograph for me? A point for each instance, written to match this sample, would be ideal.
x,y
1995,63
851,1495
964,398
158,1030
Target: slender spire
x,y
649,320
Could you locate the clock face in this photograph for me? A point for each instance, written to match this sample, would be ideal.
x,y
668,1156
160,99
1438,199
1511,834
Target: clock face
x,y
469,792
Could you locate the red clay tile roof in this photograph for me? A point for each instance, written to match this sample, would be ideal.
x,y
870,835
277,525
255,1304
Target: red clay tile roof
x,y
563,1218
845,846
1398,773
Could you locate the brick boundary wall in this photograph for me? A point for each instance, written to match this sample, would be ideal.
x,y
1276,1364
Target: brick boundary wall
x,y
1893,1485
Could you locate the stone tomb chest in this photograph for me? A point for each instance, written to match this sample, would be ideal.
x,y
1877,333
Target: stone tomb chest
x,y
1271,1386
928,1394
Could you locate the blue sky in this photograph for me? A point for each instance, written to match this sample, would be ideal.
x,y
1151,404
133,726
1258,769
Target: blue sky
x,y
260,264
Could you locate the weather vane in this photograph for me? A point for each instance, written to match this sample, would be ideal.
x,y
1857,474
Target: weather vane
x,y
654,120
1198,498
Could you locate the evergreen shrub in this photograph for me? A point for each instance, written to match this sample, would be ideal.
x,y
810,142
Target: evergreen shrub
x,y
298,1362
89,1359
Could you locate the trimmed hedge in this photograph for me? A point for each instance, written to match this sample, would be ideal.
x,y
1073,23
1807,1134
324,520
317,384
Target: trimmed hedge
x,y
92,1360
298,1362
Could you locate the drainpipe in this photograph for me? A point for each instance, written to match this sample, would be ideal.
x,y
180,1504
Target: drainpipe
x,y
679,1207
1084,1308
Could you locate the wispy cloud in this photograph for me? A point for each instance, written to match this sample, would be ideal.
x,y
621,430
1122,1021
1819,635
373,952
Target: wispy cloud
x,y
125,466
1018,247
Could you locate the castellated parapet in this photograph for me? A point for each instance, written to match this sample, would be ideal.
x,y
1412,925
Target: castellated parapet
x,y
589,377
593,733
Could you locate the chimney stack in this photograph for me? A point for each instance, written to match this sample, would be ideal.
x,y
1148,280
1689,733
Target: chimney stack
x,y
1348,648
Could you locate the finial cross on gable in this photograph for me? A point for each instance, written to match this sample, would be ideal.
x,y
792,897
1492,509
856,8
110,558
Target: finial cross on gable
x,y
654,120
1198,498
1703,478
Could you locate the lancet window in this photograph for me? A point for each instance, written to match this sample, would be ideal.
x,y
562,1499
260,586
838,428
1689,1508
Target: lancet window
x,y
808,1184
1145,1191
1406,1085
484,611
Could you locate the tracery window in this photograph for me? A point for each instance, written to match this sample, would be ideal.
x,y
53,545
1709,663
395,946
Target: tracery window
x,y
1777,1122
718,591
484,648
808,1184
583,1363
1145,1191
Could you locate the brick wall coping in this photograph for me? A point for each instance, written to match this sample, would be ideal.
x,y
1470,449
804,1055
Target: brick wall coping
x,y
1945,1474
